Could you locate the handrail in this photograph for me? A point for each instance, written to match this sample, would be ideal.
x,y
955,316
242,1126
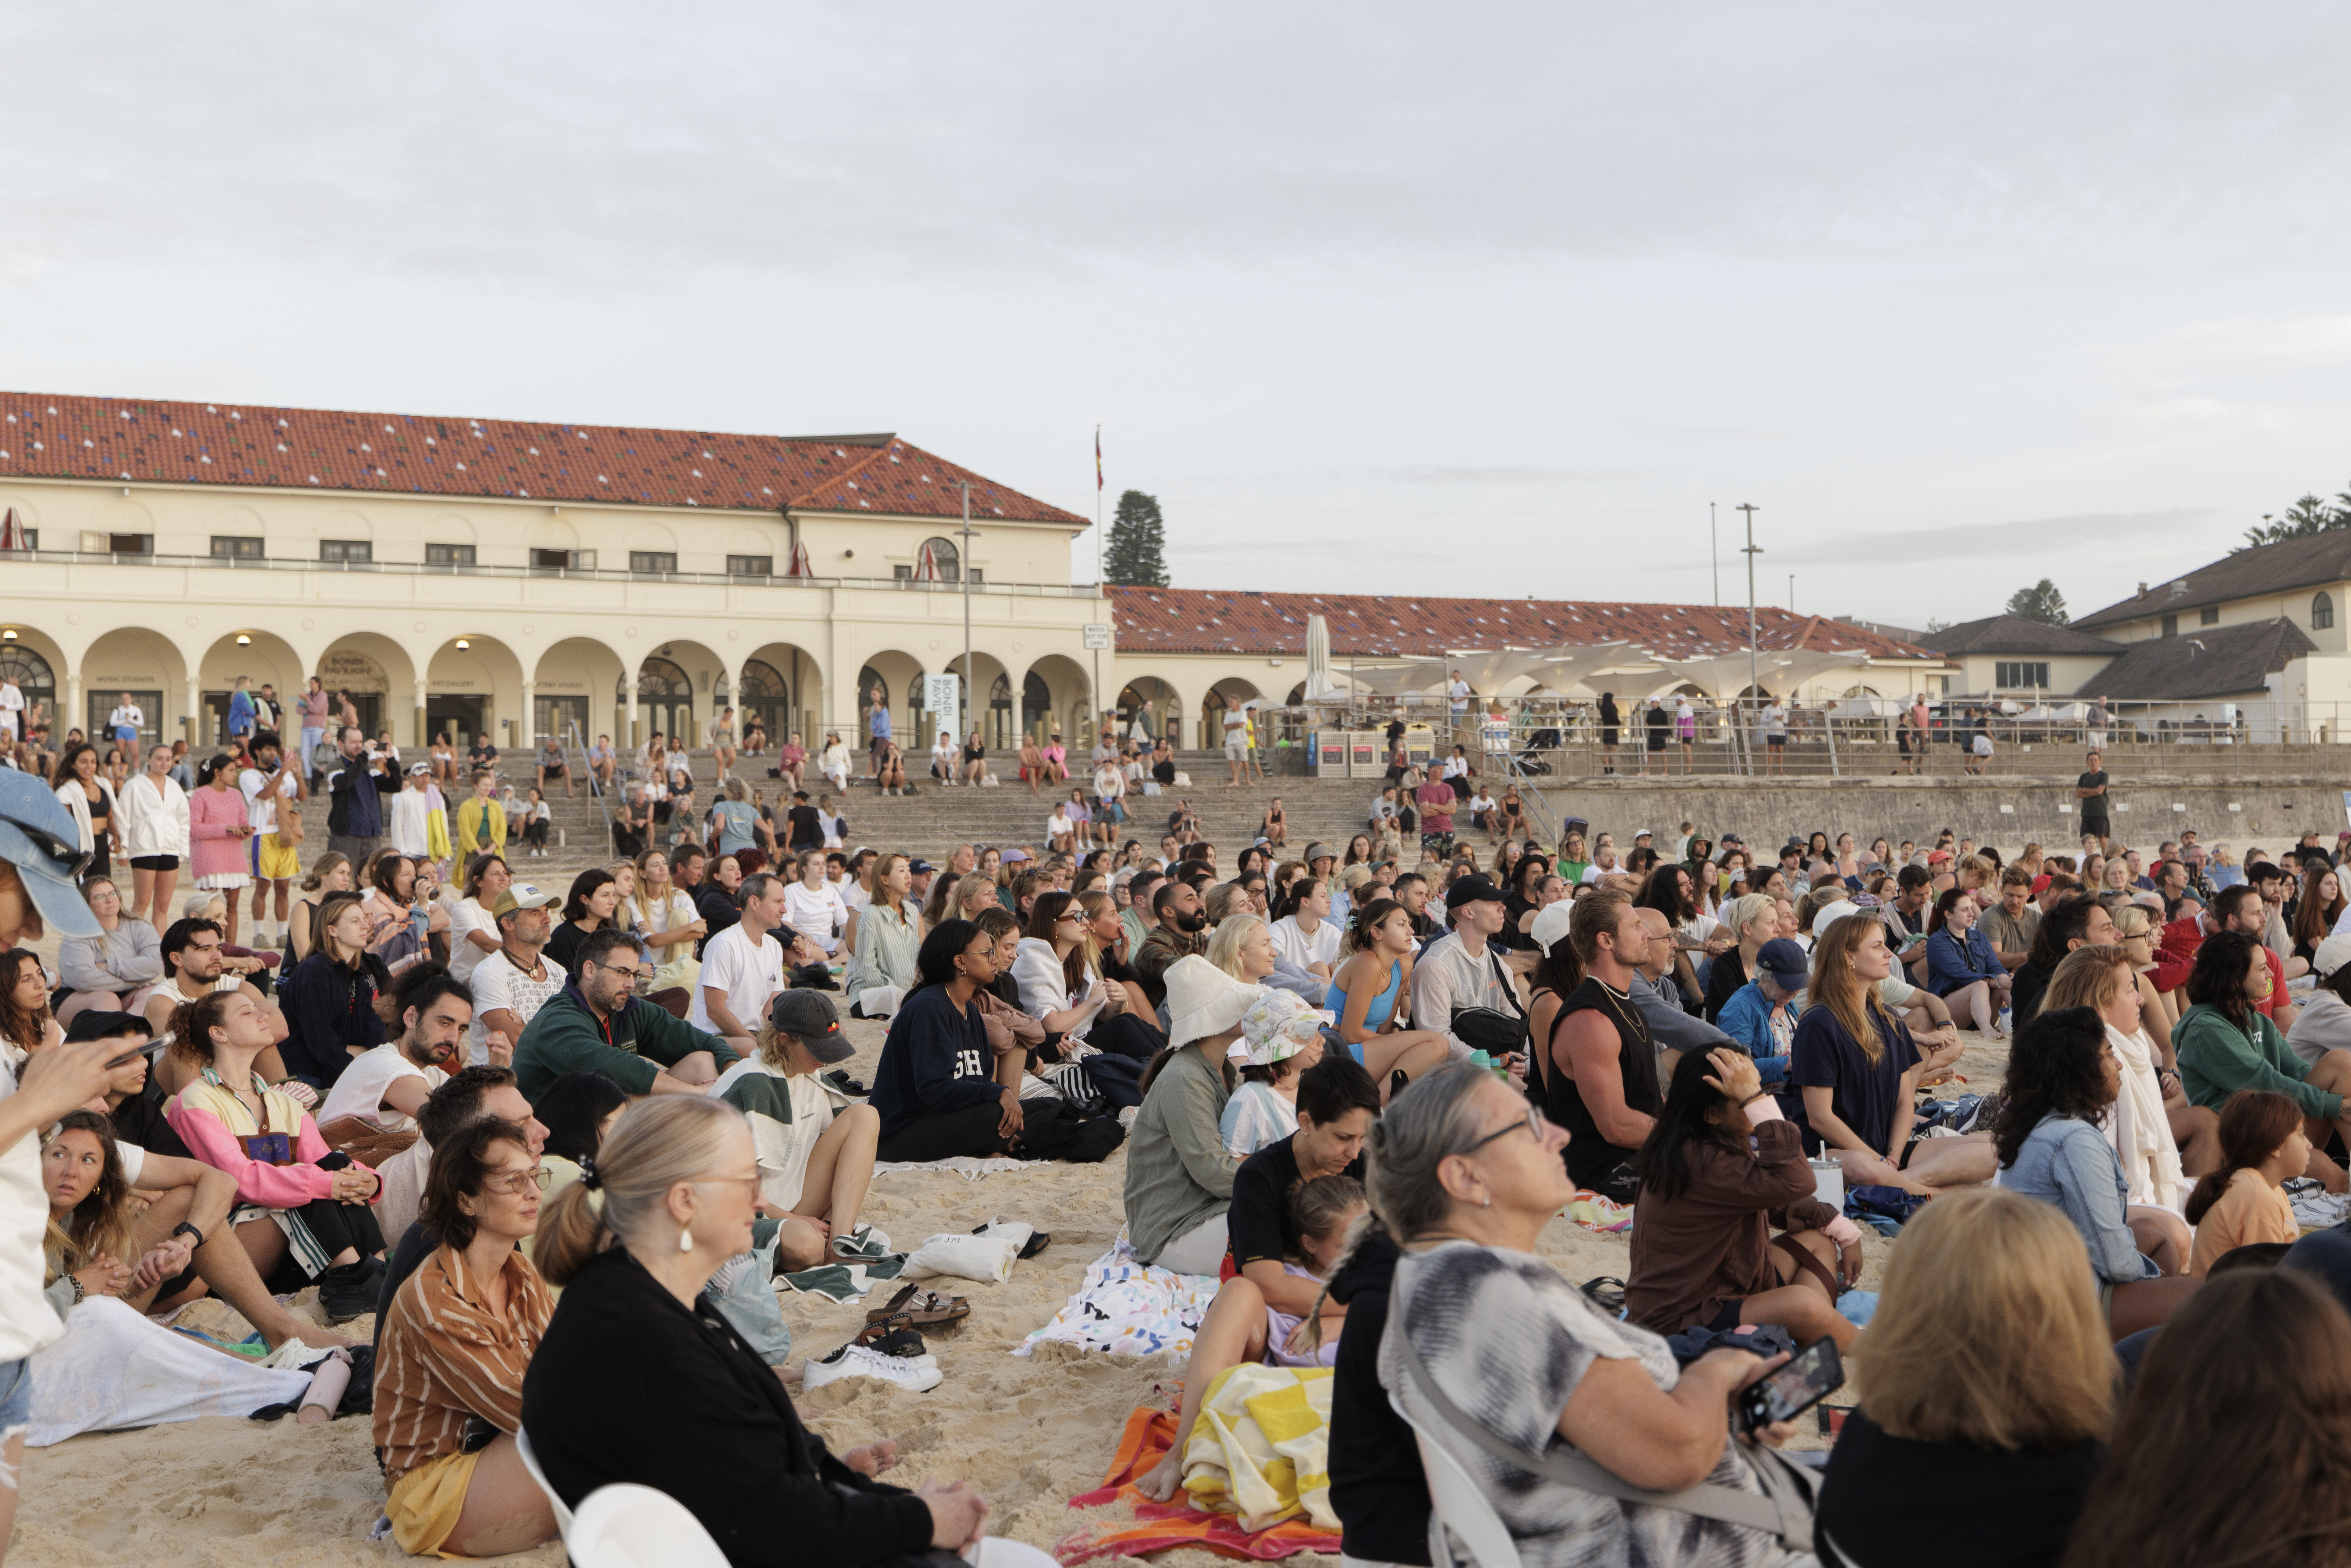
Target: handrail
x,y
595,789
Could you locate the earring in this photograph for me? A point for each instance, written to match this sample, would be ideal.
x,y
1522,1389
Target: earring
x,y
686,1240
1490,1201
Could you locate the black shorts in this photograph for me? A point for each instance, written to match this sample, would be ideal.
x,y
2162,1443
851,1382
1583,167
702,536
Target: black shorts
x,y
155,862
1727,1319
1775,741
552,770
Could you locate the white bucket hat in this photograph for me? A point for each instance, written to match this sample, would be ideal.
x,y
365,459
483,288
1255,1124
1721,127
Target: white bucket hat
x,y
1202,999
1277,1027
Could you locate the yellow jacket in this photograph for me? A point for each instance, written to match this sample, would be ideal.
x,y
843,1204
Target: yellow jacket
x,y
481,825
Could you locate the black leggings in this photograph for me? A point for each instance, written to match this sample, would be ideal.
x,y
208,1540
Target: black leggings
x,y
970,1131
1125,1034
336,1225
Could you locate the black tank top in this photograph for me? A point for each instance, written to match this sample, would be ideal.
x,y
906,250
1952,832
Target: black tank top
x,y
1590,1156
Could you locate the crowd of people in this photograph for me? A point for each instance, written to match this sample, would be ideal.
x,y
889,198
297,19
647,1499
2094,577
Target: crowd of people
x,y
558,1142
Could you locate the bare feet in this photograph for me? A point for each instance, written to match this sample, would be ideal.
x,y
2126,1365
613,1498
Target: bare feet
x,y
1160,1482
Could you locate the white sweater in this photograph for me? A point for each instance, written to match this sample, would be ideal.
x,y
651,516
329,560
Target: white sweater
x,y
155,816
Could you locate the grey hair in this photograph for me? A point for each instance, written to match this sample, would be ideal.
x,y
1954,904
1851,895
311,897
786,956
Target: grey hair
x,y
1423,1127
658,1142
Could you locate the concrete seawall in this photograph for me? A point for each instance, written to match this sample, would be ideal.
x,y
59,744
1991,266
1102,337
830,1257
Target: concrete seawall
x,y
2008,812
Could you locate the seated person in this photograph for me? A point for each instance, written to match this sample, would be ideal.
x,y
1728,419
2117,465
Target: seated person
x,y
370,1113
1179,1178
1856,1069
1284,1037
1961,966
1723,1170
578,1110
1241,1329
2062,1077
815,1149
1956,1397
194,962
1467,1174
596,1024
1760,1016
641,1379
451,1355
2242,1202
320,1224
473,1095
1376,954
2225,1043
1060,987
1599,1080
114,970
329,997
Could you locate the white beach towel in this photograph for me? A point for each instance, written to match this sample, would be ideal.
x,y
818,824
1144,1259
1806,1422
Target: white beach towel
x,y
114,1369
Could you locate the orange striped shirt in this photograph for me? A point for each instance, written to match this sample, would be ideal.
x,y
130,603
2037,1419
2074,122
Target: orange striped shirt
x,y
446,1358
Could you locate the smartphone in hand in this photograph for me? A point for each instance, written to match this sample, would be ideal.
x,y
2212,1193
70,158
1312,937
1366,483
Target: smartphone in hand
x,y
1803,1380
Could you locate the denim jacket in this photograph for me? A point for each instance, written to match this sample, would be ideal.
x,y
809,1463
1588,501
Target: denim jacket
x,y
2068,1162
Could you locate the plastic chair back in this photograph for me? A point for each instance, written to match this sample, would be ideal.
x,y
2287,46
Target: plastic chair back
x,y
627,1526
1457,1507
531,1463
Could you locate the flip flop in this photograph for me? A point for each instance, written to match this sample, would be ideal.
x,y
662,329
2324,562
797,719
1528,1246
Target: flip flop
x,y
1037,1243
929,1309
899,1341
894,1305
881,1329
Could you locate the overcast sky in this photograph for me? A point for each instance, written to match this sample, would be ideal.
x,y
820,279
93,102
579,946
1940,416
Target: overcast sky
x,y
1377,298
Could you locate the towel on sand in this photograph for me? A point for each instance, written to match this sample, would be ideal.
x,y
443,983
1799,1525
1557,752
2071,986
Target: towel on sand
x,y
1157,1526
1125,1307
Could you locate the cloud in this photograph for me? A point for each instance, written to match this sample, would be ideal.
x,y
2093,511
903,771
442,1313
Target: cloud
x,y
1435,474
2026,540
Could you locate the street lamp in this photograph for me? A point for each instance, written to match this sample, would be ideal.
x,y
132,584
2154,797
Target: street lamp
x,y
966,534
1751,552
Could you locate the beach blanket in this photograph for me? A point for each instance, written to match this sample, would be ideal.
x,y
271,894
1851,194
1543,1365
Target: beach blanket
x,y
1125,1307
2314,1208
114,1370
967,1167
1593,1212
1157,1526
1261,1447
865,1259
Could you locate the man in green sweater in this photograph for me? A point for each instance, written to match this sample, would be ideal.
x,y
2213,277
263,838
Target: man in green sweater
x,y
595,1025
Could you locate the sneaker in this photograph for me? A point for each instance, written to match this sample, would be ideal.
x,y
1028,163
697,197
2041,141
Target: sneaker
x,y
915,1374
350,1291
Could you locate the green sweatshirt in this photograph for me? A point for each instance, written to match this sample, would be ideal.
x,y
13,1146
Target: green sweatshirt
x,y
631,1048
2216,1059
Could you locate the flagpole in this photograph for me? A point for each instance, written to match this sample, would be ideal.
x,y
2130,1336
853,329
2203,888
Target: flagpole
x,y
1101,588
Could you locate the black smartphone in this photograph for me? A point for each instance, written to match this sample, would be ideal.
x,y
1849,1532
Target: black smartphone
x,y
1809,1376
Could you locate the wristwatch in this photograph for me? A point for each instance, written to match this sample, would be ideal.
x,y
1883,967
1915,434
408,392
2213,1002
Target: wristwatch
x,y
184,1229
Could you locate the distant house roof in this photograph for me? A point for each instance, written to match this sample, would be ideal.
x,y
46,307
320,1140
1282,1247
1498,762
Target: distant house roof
x,y
1211,621
2210,662
2281,567
2014,634
1899,633
49,436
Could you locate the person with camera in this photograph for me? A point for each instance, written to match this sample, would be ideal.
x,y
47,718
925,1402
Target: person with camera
x,y
356,785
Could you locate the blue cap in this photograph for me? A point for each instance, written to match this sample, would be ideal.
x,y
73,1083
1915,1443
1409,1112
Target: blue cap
x,y
1786,963
40,838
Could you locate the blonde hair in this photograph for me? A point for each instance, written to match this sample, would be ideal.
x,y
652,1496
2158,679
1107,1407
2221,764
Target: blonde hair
x,y
1225,946
1352,877
1092,902
1851,1000
972,885
658,1143
2088,977
1746,909
1227,899
322,868
2133,920
1989,1331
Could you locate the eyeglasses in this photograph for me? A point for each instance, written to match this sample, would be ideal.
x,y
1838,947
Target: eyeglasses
x,y
1535,1123
631,974
514,1183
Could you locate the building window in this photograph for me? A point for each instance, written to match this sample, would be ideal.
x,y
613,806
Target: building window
x,y
448,555
750,566
2209,616
2021,674
120,544
2171,625
2322,613
233,547
652,561
346,552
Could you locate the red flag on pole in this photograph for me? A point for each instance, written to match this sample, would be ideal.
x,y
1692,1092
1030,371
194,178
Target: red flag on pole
x,y
1098,462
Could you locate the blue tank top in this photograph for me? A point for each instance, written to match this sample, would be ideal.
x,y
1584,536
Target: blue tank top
x,y
1376,1015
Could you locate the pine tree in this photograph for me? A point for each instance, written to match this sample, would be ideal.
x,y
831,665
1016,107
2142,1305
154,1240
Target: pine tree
x,y
1137,552
2040,603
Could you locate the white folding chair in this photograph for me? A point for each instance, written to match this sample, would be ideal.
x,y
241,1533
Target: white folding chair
x,y
531,1463
1456,1505
628,1526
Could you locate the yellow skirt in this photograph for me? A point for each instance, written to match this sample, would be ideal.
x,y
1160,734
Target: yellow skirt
x,y
425,1502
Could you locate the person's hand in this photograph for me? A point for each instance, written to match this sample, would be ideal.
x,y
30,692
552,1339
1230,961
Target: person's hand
x,y
1849,1261
1720,943
354,1184
1734,1076
873,1458
1009,1125
499,1047
60,1077
104,1276
957,1512
167,1259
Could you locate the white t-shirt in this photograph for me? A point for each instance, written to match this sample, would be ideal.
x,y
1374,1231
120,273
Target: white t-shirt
x,y
943,751
467,915
497,983
749,975
1299,949
817,914
1059,824
359,1090
784,1150
1481,803
12,702
26,1321
651,914
261,813
1460,694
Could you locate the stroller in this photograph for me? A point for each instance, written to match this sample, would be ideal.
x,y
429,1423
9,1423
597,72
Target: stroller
x,y
1530,760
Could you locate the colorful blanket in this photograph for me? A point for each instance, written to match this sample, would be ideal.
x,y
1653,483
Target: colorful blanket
x,y
1157,1526
1124,1307
1593,1212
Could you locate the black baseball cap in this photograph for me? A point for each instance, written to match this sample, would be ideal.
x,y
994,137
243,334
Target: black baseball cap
x,y
1475,888
811,1016
97,1024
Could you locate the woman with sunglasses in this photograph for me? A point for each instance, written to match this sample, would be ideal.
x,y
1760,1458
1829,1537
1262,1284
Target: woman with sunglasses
x,y
456,1341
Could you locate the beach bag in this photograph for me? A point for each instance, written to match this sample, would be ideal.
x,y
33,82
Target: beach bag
x,y
1785,1509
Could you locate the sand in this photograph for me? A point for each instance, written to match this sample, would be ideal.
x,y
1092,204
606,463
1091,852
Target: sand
x,y
1030,1432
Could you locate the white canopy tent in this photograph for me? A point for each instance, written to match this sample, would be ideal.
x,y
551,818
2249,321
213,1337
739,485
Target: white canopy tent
x,y
1777,670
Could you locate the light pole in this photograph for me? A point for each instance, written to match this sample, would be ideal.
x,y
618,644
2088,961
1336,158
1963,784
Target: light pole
x,y
966,534
1751,552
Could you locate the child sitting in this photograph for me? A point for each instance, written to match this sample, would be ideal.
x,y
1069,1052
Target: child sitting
x,y
2243,1202
1283,1037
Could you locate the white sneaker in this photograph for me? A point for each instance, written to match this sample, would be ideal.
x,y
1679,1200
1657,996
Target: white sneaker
x,y
914,1373
1127,1114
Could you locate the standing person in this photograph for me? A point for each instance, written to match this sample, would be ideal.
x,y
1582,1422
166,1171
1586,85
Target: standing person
x,y
2100,719
355,790
83,791
877,720
218,831
481,821
1236,736
1658,724
240,710
155,835
311,706
126,721
2090,790
722,746
412,819
270,783
1775,734
12,709
742,968
1609,724
1685,729
1435,797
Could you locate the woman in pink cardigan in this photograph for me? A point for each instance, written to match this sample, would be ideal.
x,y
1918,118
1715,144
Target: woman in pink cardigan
x,y
218,837
315,1200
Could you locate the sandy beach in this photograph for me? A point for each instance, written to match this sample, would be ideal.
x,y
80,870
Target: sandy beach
x,y
1031,1432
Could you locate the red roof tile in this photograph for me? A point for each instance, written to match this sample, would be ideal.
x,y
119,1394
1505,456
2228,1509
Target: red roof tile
x,y
1208,621
300,448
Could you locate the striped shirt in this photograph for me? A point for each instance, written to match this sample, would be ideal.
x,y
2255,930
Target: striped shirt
x,y
446,1358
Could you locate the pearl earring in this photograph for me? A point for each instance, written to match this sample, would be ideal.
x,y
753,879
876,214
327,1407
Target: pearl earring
x,y
686,1240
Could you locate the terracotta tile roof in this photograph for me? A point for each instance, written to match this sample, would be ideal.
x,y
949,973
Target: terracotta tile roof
x,y
2308,562
139,439
1208,621
2015,634
2207,662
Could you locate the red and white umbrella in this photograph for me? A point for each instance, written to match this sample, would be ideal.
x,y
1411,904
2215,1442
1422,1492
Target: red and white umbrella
x,y
800,562
926,566
12,533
